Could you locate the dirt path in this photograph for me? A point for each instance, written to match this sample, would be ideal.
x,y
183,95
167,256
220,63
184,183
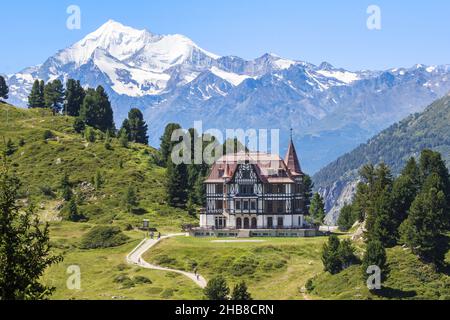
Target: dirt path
x,y
135,258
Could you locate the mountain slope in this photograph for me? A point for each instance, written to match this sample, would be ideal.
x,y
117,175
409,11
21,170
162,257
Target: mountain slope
x,y
41,164
394,146
172,79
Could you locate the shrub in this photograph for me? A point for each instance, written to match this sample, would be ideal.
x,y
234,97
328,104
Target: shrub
x,y
309,286
103,237
245,265
48,135
142,280
79,125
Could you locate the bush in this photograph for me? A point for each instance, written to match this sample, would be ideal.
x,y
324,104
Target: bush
x,y
245,265
89,135
79,125
47,191
103,237
309,286
48,135
142,280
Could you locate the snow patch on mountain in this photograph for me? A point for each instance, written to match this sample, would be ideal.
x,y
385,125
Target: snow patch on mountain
x,y
233,78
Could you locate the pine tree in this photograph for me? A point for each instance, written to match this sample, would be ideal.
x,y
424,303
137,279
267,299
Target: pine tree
x,y
240,292
25,250
330,255
74,215
66,187
96,110
424,230
167,144
217,289
4,90
375,255
79,125
137,127
74,98
131,199
36,97
108,141
123,138
176,184
431,163
308,191
384,228
54,96
404,191
125,130
98,180
346,218
317,209
10,148
346,253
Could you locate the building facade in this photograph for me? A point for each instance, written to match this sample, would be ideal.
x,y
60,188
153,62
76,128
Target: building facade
x,y
255,191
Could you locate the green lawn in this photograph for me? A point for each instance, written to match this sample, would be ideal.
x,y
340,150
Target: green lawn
x,y
273,269
99,268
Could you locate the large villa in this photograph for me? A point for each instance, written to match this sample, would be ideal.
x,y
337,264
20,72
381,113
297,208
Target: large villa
x,y
255,194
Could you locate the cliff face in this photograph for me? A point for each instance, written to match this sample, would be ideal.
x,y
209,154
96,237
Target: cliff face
x,y
337,196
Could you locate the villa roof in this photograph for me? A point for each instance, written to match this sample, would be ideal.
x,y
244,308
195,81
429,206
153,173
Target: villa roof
x,y
270,168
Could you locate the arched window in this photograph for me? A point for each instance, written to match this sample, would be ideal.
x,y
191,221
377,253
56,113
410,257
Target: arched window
x,y
238,223
246,223
254,223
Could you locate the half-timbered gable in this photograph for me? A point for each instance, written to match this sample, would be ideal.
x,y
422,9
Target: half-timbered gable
x,y
255,191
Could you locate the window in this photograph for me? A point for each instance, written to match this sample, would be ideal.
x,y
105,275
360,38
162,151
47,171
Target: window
x,y
269,206
280,222
219,205
238,205
245,205
246,174
270,222
280,206
253,205
219,188
246,189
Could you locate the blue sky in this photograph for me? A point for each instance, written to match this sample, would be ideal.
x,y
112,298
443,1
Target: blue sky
x,y
315,31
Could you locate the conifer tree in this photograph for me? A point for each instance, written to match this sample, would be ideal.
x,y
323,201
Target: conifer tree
x,y
375,255
66,188
74,98
10,148
240,292
96,110
137,127
317,209
424,230
346,218
54,96
25,250
167,144
217,289
36,97
131,200
176,184
4,90
330,255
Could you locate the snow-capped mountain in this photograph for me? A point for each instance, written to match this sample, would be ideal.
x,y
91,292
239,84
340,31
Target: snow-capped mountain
x,y
172,79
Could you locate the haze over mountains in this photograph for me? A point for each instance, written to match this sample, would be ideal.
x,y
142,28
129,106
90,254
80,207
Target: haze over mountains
x,y
171,79
394,146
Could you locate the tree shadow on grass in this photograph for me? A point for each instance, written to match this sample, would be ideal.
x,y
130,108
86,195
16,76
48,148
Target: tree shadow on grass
x,y
392,293
138,211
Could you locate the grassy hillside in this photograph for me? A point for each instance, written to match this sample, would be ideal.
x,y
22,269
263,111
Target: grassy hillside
x,y
395,145
41,164
273,268
408,279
